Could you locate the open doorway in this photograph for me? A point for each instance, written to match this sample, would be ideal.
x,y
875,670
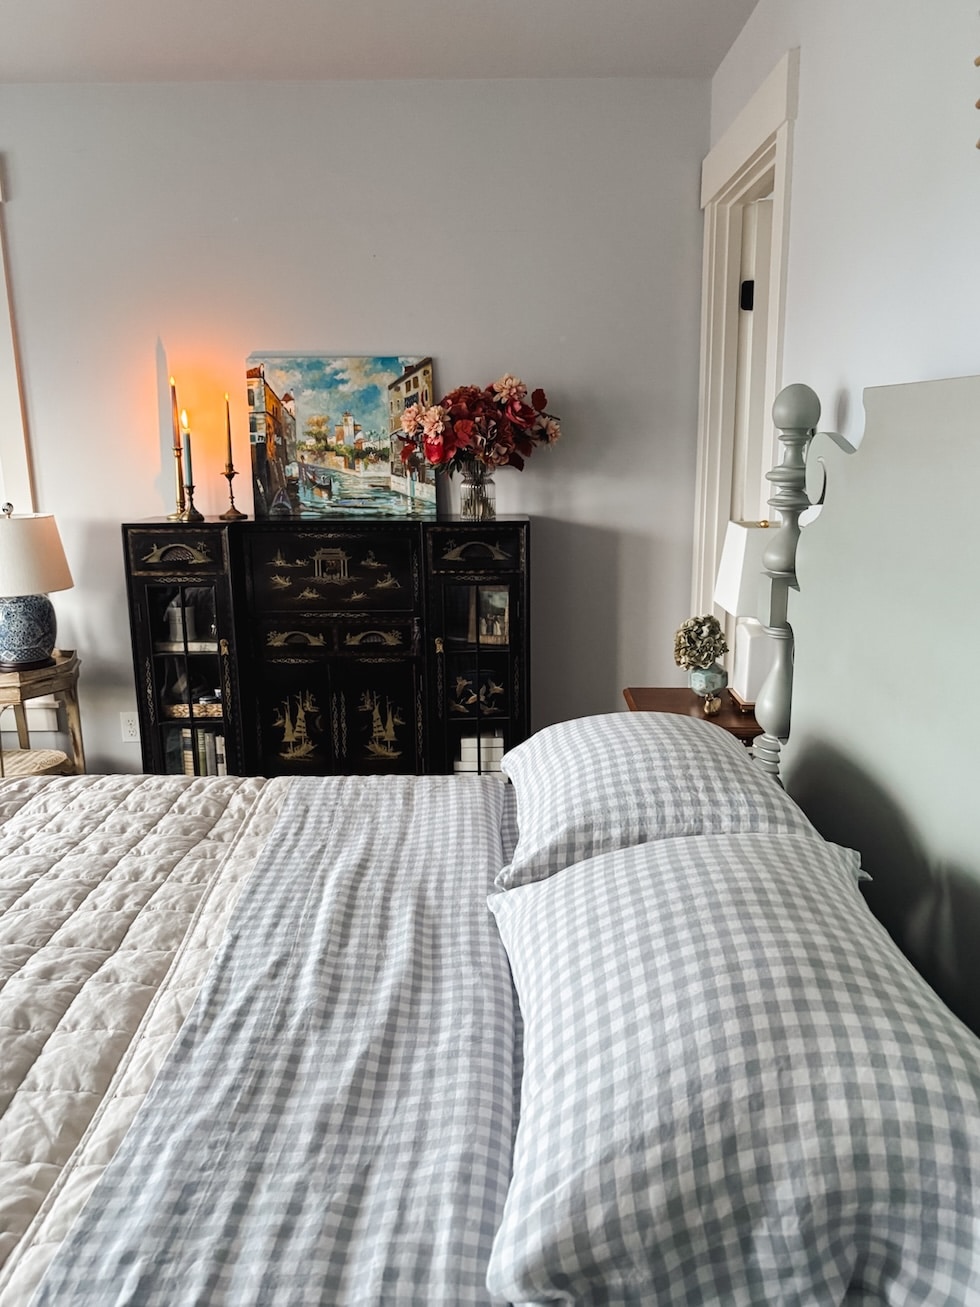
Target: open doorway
x,y
16,480
745,196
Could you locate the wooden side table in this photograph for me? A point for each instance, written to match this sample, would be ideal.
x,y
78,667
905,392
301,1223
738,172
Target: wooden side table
x,y
16,688
680,700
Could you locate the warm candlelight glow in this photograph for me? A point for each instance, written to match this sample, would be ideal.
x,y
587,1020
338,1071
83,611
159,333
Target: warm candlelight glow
x,y
185,425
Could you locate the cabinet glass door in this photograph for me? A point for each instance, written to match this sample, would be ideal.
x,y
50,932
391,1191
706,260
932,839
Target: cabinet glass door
x,y
479,692
186,687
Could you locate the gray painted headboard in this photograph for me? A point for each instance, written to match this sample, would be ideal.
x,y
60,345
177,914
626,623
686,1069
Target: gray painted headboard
x,y
884,749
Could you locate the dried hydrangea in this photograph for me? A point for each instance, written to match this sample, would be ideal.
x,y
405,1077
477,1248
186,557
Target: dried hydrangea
x,y
698,642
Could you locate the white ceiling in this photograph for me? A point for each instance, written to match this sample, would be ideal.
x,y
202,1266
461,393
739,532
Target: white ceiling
x,y
248,40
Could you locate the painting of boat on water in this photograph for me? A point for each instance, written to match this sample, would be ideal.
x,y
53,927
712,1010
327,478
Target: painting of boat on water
x,y
323,435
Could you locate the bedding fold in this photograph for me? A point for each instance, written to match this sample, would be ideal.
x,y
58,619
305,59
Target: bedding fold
x,y
113,895
334,1120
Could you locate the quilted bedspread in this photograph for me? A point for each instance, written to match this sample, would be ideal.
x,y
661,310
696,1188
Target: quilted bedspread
x,y
109,887
334,1122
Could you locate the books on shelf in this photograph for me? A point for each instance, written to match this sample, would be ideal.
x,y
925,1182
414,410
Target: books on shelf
x,y
480,753
203,752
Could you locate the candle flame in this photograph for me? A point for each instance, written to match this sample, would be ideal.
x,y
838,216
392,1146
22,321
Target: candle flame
x,y
172,383
183,419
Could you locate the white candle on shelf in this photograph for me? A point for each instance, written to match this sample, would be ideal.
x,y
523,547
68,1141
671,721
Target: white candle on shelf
x,y
173,413
185,440
230,463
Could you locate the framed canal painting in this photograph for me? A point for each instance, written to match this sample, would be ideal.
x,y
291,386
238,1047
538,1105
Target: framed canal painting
x,y
322,432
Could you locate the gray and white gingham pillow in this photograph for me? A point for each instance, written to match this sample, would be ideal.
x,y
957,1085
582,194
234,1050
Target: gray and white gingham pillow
x,y
735,1089
594,784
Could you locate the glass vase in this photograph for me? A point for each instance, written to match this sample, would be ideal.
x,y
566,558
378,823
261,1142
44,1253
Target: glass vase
x,y
478,494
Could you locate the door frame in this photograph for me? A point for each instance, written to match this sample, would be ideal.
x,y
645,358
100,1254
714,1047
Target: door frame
x,y
752,159
16,479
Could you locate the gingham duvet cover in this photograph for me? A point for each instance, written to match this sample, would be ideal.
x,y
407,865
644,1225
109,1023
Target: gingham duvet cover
x,y
335,1120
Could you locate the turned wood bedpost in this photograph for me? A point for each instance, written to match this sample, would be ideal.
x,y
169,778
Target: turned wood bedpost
x,y
795,412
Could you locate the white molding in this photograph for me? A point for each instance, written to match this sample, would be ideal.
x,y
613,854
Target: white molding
x,y
774,103
16,481
752,159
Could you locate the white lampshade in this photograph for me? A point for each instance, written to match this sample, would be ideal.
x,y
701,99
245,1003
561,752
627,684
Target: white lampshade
x,y
737,590
32,559
740,569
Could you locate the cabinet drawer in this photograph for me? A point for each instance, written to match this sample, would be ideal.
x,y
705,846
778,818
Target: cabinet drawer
x,y
177,551
284,637
465,547
306,636
297,571
371,637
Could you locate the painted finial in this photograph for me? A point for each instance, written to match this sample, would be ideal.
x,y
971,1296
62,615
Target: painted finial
x,y
796,408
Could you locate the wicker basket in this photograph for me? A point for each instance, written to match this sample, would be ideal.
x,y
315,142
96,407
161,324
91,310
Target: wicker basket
x,y
200,710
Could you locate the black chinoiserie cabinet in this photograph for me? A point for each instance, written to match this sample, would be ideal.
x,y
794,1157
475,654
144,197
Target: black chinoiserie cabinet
x,y
310,647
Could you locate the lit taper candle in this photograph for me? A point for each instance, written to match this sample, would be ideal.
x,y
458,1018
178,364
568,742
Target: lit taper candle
x,y
173,413
185,440
229,463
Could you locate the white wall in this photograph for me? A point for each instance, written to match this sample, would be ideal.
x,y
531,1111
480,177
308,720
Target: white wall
x,y
884,275
883,288
549,228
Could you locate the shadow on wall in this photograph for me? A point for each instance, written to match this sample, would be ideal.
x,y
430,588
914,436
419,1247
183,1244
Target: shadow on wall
x,y
931,910
574,620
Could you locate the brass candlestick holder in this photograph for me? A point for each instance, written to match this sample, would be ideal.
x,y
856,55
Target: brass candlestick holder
x,y
189,512
232,514
178,516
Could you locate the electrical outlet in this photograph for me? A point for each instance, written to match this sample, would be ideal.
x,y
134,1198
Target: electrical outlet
x,y
129,727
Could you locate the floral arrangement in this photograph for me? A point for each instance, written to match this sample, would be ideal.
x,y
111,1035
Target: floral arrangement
x,y
495,426
698,642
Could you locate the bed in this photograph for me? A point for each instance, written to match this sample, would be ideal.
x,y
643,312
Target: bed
x,y
613,1027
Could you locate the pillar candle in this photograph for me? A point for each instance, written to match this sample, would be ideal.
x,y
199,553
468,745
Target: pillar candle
x,y
230,463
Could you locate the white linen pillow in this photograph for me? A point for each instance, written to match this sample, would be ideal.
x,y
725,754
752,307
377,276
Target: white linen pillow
x,y
735,1089
594,784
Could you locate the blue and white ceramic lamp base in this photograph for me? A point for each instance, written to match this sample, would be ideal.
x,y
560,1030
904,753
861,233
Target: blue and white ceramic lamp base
x,y
28,631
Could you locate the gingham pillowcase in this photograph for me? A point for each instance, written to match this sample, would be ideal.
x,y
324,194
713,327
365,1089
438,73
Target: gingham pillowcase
x,y
595,784
735,1089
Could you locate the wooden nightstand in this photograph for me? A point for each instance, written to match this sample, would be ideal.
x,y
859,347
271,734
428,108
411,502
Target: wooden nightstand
x,y
16,688
683,701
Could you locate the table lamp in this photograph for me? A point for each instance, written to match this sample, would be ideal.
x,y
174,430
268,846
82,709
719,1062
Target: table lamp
x,y
32,564
737,591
